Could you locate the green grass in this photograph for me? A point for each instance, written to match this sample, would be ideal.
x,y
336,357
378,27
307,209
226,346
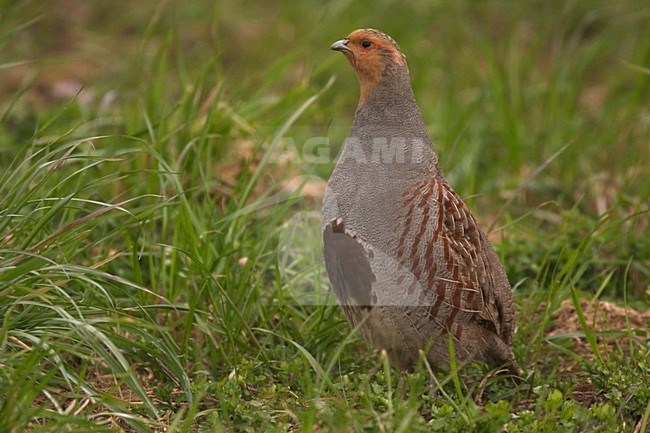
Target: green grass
x,y
153,260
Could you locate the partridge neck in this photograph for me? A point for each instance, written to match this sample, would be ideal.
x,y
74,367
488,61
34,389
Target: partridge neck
x,y
388,133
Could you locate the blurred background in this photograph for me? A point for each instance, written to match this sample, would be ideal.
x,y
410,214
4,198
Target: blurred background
x,y
502,87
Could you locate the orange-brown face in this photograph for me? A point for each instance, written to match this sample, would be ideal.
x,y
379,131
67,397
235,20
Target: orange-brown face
x,y
369,52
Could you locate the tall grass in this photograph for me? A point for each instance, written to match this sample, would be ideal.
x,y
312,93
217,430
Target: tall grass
x,y
147,276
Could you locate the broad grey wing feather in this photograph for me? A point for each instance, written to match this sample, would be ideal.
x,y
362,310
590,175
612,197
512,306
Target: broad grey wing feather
x,y
502,296
348,267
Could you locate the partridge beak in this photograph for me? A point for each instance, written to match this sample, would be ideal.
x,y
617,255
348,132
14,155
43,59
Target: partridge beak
x,y
341,45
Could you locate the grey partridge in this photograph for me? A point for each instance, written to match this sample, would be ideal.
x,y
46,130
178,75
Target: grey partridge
x,y
409,264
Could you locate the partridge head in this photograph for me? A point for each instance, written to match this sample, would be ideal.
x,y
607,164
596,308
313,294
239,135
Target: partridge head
x,y
408,262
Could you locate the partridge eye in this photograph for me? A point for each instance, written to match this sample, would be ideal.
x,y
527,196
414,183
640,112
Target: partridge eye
x,y
366,44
